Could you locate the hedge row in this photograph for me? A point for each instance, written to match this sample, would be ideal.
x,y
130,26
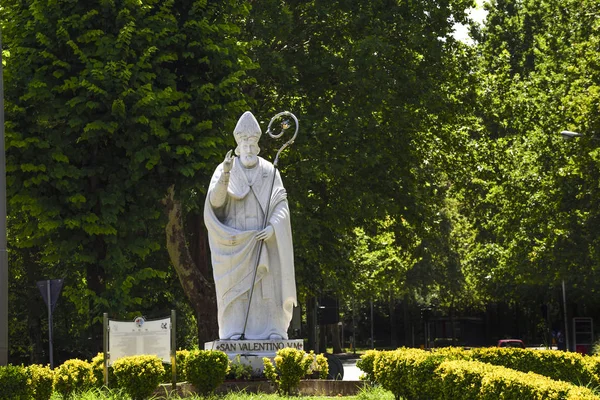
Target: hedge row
x,y
565,366
418,374
461,379
139,376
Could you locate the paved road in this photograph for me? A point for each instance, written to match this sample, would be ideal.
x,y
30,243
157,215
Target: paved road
x,y
351,371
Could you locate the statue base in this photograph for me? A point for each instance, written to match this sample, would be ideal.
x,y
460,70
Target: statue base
x,y
251,352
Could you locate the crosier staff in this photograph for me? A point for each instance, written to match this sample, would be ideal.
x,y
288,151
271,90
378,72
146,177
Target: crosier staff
x,y
284,126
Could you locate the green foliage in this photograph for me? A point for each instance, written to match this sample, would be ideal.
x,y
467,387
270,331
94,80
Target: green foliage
x,y
382,122
41,381
559,365
206,369
407,372
532,197
454,373
139,375
462,379
73,376
14,382
287,369
319,365
180,364
107,105
181,360
239,370
98,368
366,364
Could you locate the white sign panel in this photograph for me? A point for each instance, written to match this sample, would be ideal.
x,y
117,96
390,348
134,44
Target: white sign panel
x,y
139,337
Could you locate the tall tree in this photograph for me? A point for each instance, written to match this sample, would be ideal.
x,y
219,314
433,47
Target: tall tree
x,y
113,106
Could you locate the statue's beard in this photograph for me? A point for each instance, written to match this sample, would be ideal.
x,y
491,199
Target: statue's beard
x,y
249,160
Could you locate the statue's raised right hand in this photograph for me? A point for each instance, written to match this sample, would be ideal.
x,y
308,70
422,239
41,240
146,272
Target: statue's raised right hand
x,y
228,162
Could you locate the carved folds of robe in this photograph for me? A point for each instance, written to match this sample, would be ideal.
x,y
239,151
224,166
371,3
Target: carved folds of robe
x,y
232,230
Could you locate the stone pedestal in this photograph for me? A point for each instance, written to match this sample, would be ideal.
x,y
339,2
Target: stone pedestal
x,y
251,352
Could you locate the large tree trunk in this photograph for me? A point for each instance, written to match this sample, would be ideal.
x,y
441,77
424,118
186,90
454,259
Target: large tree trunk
x,y
334,329
199,290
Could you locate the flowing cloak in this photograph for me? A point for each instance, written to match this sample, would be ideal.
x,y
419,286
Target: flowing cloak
x,y
234,253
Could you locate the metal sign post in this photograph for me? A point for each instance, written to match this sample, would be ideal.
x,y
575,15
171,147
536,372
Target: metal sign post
x,y
173,351
50,290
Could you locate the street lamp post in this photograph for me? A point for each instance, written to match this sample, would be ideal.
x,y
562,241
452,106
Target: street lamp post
x,y
564,293
568,135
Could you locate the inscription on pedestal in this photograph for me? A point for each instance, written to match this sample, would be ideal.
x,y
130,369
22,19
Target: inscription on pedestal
x,y
253,346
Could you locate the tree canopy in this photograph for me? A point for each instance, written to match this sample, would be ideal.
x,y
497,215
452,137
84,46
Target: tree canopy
x,y
426,169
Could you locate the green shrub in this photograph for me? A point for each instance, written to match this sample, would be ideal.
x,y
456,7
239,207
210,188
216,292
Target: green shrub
x,y
180,357
400,370
366,365
239,370
98,368
73,376
460,379
206,369
41,381
320,365
565,366
139,375
408,372
13,382
291,365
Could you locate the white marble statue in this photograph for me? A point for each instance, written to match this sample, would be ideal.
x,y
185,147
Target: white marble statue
x,y
234,213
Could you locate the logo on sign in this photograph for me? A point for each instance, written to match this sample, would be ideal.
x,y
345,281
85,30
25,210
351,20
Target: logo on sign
x,y
139,321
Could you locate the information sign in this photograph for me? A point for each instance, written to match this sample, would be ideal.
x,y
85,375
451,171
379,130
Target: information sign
x,y
139,337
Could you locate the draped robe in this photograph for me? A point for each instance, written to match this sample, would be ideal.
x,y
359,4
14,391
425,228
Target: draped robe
x,y
232,230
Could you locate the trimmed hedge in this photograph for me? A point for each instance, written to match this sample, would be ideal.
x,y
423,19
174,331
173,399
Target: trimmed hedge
x,y
408,372
206,369
414,373
139,376
366,364
14,382
460,379
73,376
98,369
41,381
565,366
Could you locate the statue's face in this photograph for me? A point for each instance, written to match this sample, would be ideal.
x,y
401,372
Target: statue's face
x,y
249,152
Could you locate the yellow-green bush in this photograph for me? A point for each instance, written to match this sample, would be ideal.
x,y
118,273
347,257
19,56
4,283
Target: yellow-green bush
x,y
451,373
565,366
408,372
139,375
320,365
460,379
366,365
13,382
41,381
98,368
73,376
180,356
206,369
290,366
593,365
181,359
